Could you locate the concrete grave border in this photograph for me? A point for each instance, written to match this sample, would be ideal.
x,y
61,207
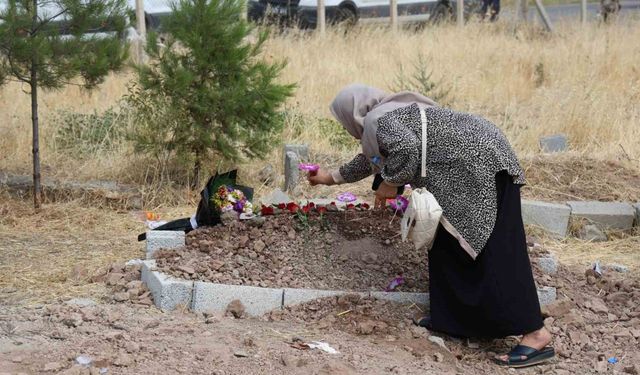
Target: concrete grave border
x,y
556,218
169,293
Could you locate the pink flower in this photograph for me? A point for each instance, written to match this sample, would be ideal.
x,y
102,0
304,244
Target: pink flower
x,y
394,283
346,197
311,168
400,203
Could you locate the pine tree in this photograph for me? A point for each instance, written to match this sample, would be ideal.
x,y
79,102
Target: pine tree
x,y
48,44
218,96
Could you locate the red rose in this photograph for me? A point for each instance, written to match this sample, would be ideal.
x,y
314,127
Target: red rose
x,y
282,206
266,210
322,209
292,207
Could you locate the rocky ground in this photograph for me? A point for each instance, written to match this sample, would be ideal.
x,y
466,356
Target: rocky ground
x,y
595,321
342,250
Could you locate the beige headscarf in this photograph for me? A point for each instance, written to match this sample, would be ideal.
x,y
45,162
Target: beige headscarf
x,y
358,107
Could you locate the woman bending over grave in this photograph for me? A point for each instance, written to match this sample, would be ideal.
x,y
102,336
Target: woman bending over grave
x,y
480,278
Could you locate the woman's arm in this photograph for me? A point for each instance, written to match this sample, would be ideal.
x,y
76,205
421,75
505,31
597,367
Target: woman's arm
x,y
353,171
357,169
402,147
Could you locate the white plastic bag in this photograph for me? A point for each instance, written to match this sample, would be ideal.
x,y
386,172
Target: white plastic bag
x,y
421,219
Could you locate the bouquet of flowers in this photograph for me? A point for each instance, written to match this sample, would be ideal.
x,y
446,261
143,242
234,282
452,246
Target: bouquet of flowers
x,y
227,199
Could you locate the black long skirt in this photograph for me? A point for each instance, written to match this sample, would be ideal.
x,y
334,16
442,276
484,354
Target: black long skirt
x,y
495,295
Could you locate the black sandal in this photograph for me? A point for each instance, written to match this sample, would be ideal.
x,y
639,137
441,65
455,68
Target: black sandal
x,y
532,356
424,321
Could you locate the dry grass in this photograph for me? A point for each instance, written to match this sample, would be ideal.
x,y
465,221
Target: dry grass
x,y
38,252
584,83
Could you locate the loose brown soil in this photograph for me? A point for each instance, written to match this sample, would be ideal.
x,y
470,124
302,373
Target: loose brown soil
x,y
595,318
356,251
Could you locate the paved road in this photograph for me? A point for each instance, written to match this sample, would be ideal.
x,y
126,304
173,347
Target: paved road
x,y
630,9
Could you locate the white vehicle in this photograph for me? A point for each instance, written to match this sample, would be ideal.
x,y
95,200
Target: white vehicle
x,y
304,12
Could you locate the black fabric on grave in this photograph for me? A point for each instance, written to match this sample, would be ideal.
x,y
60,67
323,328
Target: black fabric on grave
x,y
206,214
495,295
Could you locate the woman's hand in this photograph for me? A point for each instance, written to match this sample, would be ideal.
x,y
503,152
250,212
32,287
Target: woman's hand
x,y
321,177
384,192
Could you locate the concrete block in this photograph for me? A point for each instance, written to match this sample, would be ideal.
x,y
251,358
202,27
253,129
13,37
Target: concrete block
x,y
163,239
216,297
548,265
402,297
637,207
546,295
298,296
168,292
301,151
552,217
554,143
276,197
608,215
291,171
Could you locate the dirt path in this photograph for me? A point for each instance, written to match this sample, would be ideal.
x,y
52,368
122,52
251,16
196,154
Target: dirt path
x,y
595,319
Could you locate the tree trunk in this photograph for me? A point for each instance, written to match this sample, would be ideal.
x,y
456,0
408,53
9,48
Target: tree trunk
x,y
197,170
37,192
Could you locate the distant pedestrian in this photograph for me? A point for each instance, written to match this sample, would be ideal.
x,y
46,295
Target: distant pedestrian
x,y
493,9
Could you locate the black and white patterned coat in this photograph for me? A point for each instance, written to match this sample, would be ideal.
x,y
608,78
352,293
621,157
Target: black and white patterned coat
x,y
464,154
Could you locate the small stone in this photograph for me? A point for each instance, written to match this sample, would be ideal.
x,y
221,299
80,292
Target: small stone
x,y
557,308
132,347
121,297
366,327
632,369
438,341
553,143
370,258
216,264
617,267
597,305
53,366
84,360
302,362
259,245
291,234
114,278
592,233
248,341
438,357
17,359
240,354
186,269
135,284
73,320
236,308
287,361
123,360
548,265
